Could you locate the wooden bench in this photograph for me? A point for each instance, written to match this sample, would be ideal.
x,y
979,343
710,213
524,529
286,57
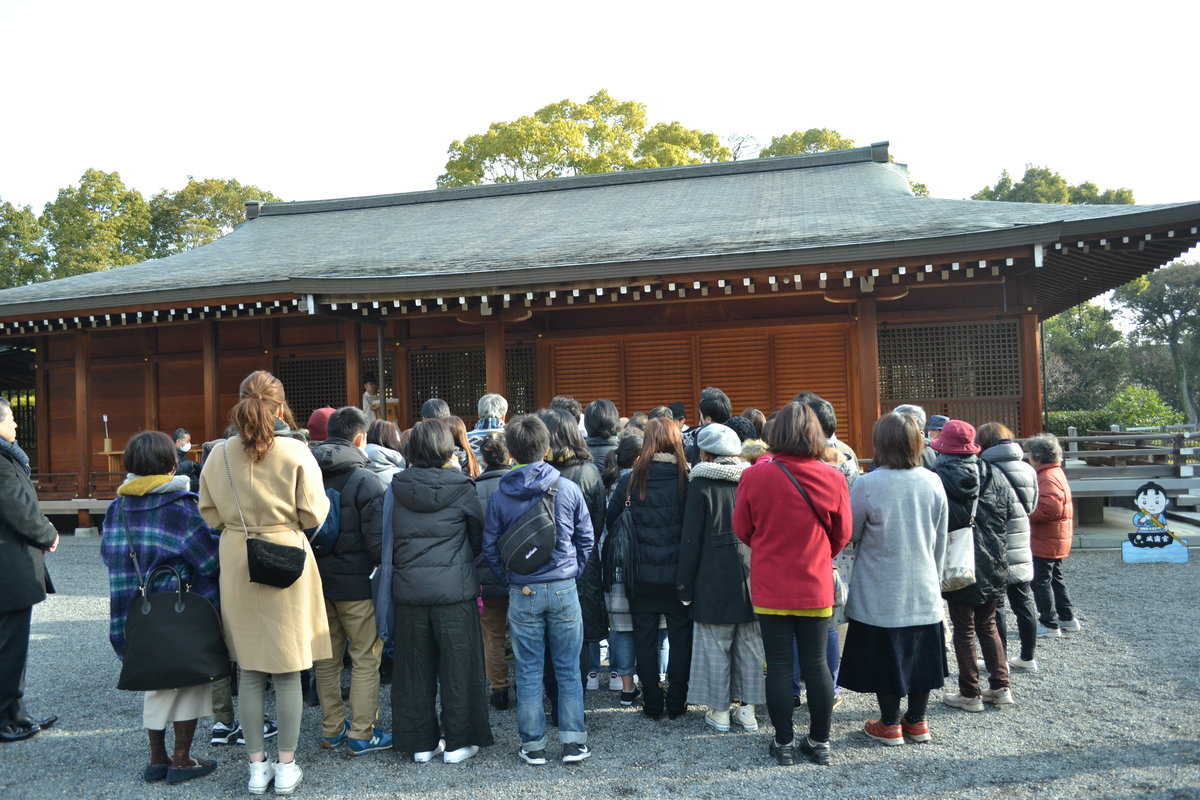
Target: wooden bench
x,y
83,508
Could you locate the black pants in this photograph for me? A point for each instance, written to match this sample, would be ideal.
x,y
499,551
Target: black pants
x,y
889,708
1020,599
1050,592
679,664
810,635
14,650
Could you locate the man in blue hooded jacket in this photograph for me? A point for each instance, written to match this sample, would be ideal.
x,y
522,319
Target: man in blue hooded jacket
x,y
543,606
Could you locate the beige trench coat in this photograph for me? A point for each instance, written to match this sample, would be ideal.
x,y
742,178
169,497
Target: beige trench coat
x,y
268,629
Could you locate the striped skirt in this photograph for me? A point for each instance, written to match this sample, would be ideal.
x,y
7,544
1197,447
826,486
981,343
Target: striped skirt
x,y
727,662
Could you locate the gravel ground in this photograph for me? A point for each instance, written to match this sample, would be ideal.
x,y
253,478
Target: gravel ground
x,y
1112,714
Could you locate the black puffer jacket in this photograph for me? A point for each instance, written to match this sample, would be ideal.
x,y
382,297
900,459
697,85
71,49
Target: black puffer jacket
x,y
345,572
1006,457
437,524
586,476
486,484
600,447
961,478
658,523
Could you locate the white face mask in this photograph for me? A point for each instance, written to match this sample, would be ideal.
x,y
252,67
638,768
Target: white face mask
x,y
186,446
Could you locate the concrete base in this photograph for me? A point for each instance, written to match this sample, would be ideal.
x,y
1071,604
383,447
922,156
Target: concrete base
x,y
85,533
1174,553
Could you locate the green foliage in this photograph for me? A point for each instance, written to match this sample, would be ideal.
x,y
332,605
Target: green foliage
x,y
569,138
1136,407
95,225
1165,307
1043,185
1086,358
22,256
813,140
199,213
1057,422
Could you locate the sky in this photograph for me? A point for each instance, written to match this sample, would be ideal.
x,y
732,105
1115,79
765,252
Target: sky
x,y
322,100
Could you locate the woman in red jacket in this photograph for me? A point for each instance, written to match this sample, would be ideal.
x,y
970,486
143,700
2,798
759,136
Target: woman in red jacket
x,y
793,536
1052,530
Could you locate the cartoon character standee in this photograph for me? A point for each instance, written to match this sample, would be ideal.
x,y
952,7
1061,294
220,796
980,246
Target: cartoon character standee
x,y
1151,518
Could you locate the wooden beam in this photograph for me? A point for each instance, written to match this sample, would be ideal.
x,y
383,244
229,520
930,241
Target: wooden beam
x,y
83,439
210,356
1031,378
868,375
493,357
41,395
353,363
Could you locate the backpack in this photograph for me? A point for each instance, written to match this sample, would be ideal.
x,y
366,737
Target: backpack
x,y
324,537
529,541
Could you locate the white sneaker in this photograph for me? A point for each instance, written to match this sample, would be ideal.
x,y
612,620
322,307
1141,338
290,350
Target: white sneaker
x,y
717,719
1020,663
1051,632
614,682
981,665
261,775
593,681
1070,625
461,754
287,777
998,697
972,704
744,716
425,756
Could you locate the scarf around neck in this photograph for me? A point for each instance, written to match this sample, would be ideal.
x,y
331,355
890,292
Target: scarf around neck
x,y
14,451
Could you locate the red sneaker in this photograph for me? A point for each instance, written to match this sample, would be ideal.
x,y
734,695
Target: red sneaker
x,y
917,731
888,734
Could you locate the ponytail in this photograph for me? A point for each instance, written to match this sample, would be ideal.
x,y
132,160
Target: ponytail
x,y
261,398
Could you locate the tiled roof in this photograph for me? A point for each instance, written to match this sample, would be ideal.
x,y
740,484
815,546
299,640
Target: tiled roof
x,y
826,208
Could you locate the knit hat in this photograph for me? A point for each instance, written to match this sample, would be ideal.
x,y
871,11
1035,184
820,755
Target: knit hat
x,y
743,427
936,422
719,440
318,424
958,438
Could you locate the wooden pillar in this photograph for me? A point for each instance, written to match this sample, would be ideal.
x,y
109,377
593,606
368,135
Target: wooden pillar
x,y
212,382
868,375
1031,377
353,364
493,357
400,387
545,375
41,400
150,376
83,439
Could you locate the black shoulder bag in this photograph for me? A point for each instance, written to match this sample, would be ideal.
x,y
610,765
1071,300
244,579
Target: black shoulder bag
x,y
173,639
278,565
529,541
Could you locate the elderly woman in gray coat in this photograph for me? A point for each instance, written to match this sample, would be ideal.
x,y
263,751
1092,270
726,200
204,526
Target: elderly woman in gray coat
x,y
999,450
895,645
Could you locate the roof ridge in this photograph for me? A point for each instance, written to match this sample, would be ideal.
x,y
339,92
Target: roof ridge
x,y
877,151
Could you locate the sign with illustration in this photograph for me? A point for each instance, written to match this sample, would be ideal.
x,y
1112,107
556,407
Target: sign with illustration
x,y
1153,542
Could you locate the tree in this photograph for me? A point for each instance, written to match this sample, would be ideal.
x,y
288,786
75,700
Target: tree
x,y
95,225
1087,361
199,213
1139,407
1165,306
569,138
813,140
1043,185
22,256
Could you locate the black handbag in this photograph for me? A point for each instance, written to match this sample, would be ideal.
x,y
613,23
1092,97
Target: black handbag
x,y
173,639
619,556
278,565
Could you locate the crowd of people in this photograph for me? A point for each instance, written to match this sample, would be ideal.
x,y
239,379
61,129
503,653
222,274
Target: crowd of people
x,y
717,562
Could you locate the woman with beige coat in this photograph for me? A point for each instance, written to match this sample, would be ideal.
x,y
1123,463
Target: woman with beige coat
x,y
270,488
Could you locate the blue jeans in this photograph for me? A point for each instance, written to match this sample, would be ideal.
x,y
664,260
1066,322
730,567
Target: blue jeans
x,y
549,615
620,652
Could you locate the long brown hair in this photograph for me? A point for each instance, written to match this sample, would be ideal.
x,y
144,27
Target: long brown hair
x,y
254,415
458,430
662,436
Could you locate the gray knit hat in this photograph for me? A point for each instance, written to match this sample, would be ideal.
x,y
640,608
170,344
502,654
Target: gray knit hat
x,y
719,440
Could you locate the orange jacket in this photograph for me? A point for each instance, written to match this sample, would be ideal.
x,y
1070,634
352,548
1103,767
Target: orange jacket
x,y
1053,518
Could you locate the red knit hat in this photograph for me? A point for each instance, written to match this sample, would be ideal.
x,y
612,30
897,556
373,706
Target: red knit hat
x,y
318,424
958,439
